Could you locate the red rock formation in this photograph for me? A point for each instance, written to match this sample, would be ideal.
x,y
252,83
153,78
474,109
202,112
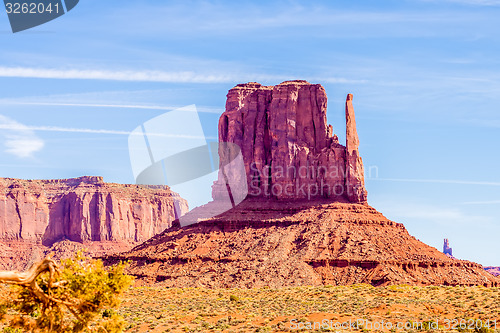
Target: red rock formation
x,y
264,242
493,270
446,248
82,210
289,150
355,174
274,239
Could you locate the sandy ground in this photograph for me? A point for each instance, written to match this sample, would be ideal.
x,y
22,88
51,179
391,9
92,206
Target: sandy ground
x,y
312,309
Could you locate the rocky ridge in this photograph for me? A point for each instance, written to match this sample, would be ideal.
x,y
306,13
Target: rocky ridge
x,y
274,243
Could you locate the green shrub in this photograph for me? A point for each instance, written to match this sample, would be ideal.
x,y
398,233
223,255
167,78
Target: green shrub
x,y
79,297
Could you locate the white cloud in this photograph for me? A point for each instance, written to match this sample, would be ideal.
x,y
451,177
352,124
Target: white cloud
x,y
150,76
426,212
118,106
125,75
227,19
485,122
437,181
472,2
443,215
19,140
491,202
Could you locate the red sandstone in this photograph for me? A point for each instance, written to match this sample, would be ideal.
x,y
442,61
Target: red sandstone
x,y
279,240
288,148
35,214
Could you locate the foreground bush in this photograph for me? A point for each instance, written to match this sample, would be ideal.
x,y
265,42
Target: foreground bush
x,y
78,295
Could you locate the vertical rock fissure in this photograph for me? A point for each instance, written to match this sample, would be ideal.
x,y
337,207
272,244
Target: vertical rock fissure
x,y
109,212
18,211
136,235
314,100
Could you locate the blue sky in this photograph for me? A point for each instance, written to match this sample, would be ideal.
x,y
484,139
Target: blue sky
x,y
425,75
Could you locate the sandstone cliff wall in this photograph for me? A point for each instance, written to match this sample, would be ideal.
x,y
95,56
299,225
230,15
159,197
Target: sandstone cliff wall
x,y
83,209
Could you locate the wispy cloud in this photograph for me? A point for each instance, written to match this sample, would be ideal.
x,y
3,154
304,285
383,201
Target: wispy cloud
x,y
438,215
491,202
14,126
150,75
203,109
437,181
427,212
485,122
471,2
125,75
233,19
19,140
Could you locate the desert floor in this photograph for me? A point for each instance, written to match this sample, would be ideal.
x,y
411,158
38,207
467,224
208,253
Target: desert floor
x,y
392,308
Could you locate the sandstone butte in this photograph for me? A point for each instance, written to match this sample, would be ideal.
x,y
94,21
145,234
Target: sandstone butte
x,y
70,214
493,270
289,150
279,239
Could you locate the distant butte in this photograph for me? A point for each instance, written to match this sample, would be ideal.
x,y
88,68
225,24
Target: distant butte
x,y
446,248
278,237
493,270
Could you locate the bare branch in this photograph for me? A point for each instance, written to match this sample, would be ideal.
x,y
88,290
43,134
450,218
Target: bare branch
x,y
26,278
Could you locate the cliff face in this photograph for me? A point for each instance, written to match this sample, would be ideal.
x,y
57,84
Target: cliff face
x,y
288,148
83,209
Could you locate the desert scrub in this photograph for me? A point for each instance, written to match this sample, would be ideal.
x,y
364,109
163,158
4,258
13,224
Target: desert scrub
x,y
248,310
76,296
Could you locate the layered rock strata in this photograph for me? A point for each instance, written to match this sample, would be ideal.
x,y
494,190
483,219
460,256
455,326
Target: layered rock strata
x,y
289,150
84,210
273,243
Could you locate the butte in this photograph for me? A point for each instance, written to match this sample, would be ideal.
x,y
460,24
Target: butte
x,y
305,219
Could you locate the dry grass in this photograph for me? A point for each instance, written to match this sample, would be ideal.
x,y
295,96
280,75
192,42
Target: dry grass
x,y
156,309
